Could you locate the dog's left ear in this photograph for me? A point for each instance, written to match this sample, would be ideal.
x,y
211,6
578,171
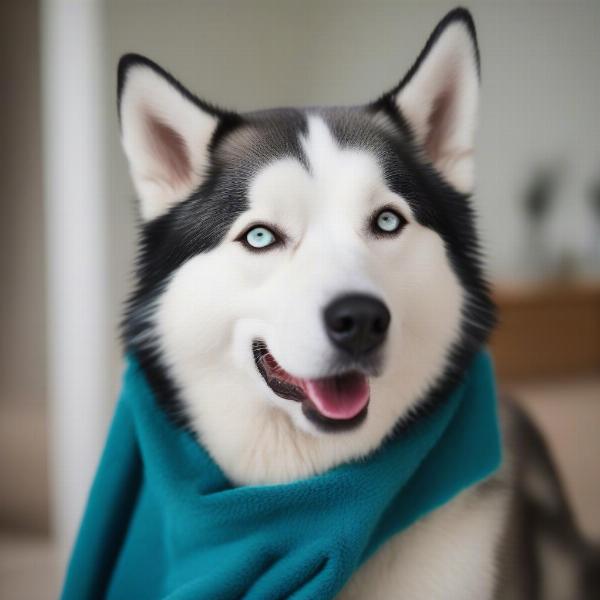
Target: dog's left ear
x,y
439,97
166,133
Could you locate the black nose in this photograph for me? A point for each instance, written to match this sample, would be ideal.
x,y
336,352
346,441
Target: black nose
x,y
357,323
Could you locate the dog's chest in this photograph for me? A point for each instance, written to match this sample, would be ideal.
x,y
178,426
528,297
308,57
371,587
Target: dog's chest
x,y
449,555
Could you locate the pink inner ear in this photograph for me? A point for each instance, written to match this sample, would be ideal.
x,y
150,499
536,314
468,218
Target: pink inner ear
x,y
439,123
171,150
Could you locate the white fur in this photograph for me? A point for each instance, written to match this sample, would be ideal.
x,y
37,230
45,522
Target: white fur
x,y
448,71
449,555
218,302
149,99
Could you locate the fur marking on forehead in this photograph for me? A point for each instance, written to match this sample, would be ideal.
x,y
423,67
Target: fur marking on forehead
x,y
346,171
262,137
319,145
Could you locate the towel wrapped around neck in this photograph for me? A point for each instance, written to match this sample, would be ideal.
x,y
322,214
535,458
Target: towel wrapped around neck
x,y
162,520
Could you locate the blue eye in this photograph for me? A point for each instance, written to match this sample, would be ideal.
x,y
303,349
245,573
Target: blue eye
x,y
389,221
260,237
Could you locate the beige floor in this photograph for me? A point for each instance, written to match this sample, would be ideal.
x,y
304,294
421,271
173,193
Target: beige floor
x,y
28,569
568,412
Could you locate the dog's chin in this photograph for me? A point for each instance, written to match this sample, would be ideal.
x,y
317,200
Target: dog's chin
x,y
335,403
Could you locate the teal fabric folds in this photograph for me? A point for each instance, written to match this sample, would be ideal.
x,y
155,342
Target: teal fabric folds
x,y
162,520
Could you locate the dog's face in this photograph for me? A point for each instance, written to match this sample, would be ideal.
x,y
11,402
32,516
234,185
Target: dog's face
x,y
307,278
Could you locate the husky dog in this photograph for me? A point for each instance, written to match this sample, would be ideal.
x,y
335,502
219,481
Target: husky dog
x,y
309,278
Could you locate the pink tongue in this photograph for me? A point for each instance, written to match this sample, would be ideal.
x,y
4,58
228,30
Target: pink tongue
x,y
338,397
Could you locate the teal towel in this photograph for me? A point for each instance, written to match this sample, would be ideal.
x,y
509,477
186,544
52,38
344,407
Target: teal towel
x,y
162,520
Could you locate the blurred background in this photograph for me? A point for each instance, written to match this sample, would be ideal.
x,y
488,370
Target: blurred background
x,y
68,212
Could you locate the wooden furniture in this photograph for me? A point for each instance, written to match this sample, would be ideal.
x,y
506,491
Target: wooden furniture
x,y
549,330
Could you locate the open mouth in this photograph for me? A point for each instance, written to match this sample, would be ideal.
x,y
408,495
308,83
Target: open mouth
x,y
333,403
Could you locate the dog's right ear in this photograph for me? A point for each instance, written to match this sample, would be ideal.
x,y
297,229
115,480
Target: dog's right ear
x,y
439,96
166,133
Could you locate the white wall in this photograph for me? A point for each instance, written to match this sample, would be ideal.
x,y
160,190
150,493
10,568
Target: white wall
x,y
72,45
541,96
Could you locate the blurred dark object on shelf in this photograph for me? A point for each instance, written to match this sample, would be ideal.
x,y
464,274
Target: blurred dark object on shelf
x,y
540,193
538,199
594,197
547,330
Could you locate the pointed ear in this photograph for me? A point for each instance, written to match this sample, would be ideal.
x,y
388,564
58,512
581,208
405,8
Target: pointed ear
x,y
166,133
439,97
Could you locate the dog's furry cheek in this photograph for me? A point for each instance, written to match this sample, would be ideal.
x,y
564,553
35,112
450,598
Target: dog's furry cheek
x,y
194,312
427,303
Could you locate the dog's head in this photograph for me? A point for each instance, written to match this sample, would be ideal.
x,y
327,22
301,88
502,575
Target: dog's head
x,y
307,278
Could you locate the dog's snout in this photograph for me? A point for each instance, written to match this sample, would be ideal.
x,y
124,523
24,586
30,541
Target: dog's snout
x,y
357,323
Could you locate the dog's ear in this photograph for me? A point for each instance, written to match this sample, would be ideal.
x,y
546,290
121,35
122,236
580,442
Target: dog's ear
x,y
166,133
439,97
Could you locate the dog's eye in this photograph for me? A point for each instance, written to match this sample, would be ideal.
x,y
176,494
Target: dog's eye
x,y
388,221
259,237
